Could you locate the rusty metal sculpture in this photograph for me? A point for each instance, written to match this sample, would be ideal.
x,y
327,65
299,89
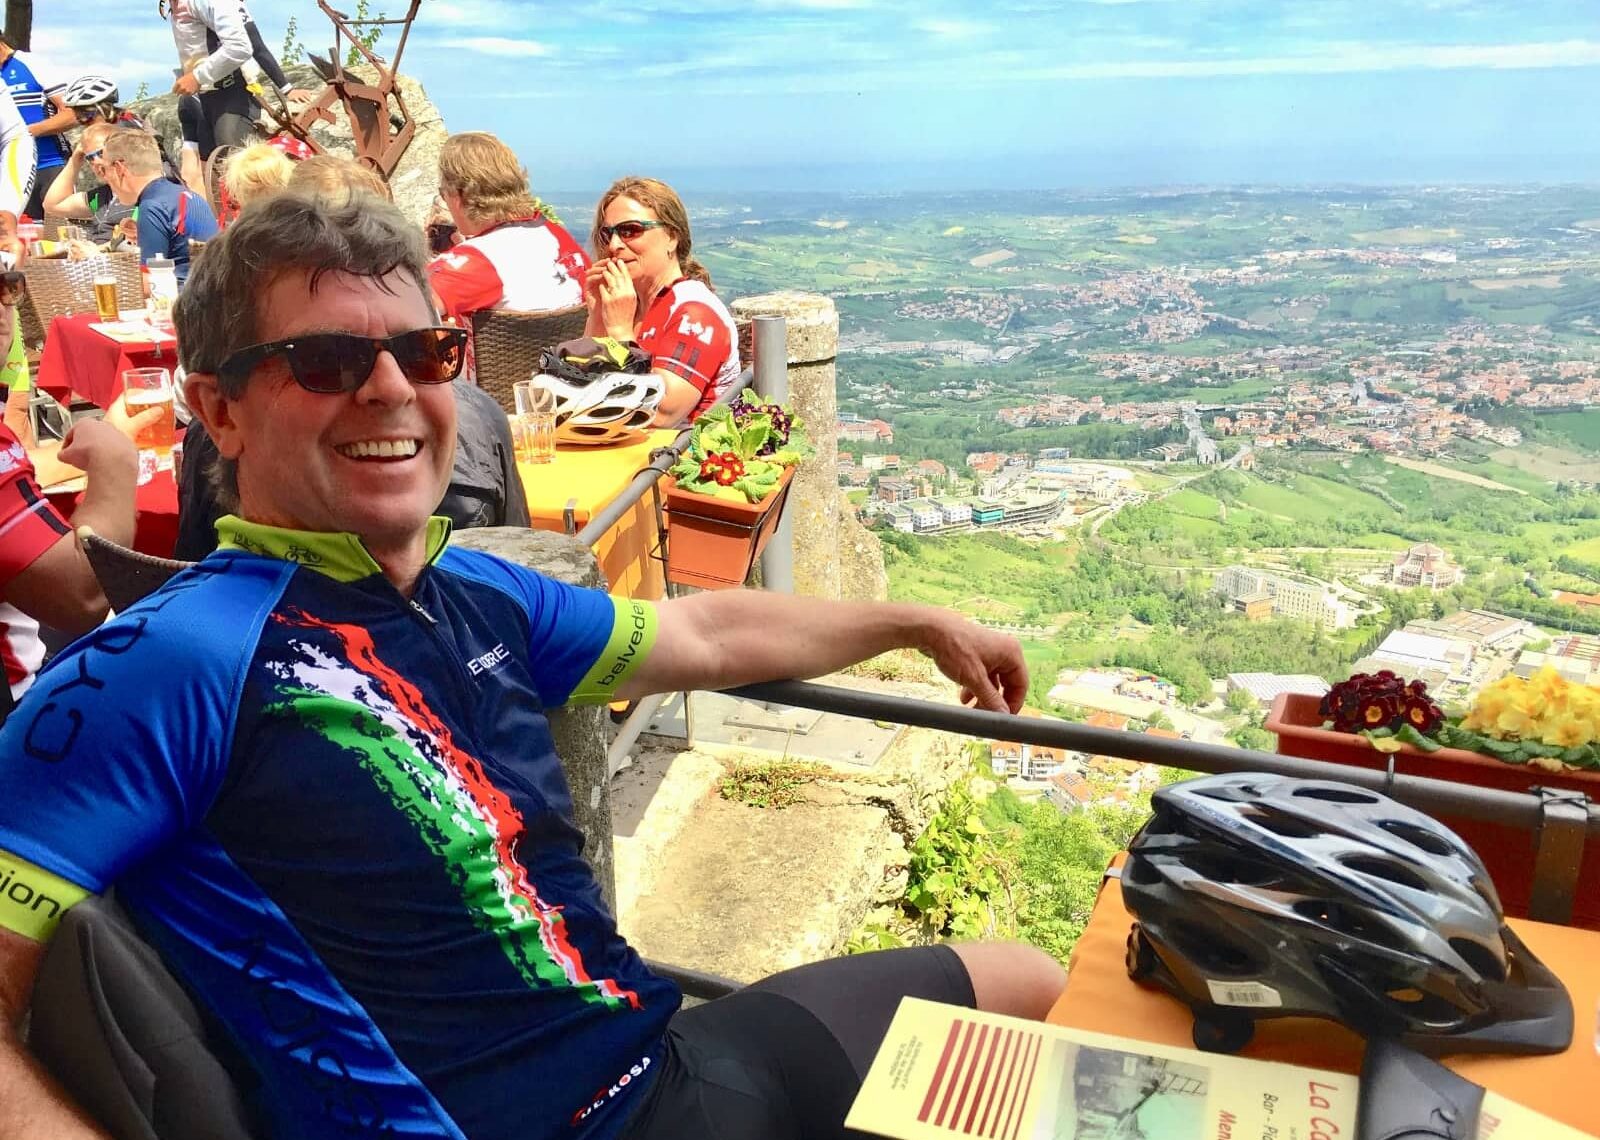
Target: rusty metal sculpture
x,y
381,131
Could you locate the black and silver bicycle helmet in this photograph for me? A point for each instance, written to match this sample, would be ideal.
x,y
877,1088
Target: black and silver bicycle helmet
x,y
1265,896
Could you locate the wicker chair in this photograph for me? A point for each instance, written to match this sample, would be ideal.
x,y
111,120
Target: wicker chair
x,y
58,287
126,575
507,345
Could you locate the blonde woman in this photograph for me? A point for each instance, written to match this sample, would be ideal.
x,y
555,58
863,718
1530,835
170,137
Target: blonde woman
x,y
512,254
646,286
257,171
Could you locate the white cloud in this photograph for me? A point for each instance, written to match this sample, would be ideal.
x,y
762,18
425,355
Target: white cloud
x,y
952,29
1348,58
499,46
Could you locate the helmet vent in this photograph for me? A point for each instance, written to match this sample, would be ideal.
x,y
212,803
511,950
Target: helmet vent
x,y
1350,921
1280,824
1137,870
1417,836
1482,960
1336,795
1386,870
1220,867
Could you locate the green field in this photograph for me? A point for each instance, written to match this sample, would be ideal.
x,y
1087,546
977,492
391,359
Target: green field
x,y
1582,428
1309,497
1587,551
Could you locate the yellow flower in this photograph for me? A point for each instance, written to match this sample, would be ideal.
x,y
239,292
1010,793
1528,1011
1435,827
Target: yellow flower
x,y
1569,732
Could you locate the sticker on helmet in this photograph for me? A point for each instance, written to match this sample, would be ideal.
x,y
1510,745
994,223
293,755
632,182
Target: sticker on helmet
x,y
1243,993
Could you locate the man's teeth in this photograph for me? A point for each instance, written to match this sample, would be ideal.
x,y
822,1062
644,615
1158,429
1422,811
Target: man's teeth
x,y
379,449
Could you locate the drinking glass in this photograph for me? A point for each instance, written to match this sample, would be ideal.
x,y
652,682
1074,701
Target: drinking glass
x,y
145,388
533,427
105,290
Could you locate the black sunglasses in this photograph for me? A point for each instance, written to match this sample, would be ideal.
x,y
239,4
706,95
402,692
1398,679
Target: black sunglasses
x,y
13,284
627,231
330,363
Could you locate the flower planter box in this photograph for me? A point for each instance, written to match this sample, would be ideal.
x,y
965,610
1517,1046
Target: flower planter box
x,y
1507,852
713,543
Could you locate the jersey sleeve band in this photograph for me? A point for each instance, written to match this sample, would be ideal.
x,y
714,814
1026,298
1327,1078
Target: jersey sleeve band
x,y
633,635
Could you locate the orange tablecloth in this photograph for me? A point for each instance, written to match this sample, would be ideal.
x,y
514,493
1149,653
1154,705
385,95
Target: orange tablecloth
x,y
589,478
1101,998
78,359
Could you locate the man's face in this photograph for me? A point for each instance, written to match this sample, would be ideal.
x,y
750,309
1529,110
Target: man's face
x,y
296,467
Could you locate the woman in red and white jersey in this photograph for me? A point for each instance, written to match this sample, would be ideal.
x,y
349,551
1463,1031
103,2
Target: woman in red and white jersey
x,y
645,286
512,255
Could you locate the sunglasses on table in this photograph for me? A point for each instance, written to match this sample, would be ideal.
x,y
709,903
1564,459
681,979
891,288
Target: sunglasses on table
x,y
330,363
627,231
13,284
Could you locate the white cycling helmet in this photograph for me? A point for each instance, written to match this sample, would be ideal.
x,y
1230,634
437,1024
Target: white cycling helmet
x,y
607,407
90,91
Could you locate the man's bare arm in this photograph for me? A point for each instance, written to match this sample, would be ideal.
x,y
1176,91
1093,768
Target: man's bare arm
x,y
32,1106
737,637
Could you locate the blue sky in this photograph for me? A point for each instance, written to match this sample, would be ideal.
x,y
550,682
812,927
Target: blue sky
x,y
889,94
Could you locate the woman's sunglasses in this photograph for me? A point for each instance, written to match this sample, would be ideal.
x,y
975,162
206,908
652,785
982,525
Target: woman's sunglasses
x,y
13,284
627,231
331,363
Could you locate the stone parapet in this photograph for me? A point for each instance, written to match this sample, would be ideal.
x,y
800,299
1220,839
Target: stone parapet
x,y
814,504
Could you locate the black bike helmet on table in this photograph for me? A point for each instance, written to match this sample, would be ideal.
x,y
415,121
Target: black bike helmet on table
x,y
1266,896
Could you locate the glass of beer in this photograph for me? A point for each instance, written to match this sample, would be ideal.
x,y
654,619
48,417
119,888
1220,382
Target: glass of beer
x,y
533,428
105,290
145,388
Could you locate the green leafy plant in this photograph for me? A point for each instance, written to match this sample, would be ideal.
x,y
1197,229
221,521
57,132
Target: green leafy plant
x,y
739,460
367,37
959,883
293,50
775,784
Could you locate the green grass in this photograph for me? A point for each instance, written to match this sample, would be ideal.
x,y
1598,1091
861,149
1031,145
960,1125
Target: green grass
x,y
1587,551
949,571
1582,428
1309,498
1195,504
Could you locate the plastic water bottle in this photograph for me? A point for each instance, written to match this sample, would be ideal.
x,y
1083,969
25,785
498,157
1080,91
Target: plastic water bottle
x,y
163,291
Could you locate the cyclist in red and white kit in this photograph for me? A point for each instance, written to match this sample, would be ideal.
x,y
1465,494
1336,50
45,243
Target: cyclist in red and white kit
x,y
647,287
513,255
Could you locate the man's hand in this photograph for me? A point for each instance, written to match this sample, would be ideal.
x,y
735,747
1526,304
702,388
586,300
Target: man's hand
x,y
131,424
99,449
187,84
987,665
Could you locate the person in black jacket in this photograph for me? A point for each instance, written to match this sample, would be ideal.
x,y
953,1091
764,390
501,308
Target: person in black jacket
x,y
484,488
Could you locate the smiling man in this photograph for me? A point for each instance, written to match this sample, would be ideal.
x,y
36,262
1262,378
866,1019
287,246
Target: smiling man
x,y
318,765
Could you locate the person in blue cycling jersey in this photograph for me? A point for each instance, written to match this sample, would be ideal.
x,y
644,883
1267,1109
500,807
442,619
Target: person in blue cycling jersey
x,y
48,119
170,215
318,766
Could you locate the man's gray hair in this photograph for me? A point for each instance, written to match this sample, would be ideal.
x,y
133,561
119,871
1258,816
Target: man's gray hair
x,y
135,149
217,313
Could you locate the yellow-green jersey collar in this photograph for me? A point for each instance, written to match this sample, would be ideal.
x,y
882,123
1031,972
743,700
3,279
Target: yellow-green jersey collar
x,y
340,556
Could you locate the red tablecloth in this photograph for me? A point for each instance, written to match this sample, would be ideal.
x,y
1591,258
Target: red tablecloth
x,y
156,532
78,359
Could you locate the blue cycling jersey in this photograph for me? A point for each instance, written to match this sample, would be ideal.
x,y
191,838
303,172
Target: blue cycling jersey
x,y
338,814
169,216
29,96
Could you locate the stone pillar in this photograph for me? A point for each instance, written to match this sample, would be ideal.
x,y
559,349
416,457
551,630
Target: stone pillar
x,y
579,731
813,328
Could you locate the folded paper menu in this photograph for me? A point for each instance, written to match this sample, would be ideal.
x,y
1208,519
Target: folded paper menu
x,y
943,1071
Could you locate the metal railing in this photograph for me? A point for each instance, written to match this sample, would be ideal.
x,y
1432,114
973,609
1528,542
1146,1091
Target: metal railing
x,y
1561,822
769,374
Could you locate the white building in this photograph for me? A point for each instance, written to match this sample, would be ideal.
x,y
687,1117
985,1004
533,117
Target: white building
x,y
952,511
1425,565
926,515
1422,657
1265,687
1292,597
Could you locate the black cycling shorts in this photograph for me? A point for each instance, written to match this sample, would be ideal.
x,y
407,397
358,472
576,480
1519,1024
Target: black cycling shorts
x,y
783,1059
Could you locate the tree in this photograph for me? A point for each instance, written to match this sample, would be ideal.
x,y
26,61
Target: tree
x,y
293,50
368,37
1240,701
19,24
